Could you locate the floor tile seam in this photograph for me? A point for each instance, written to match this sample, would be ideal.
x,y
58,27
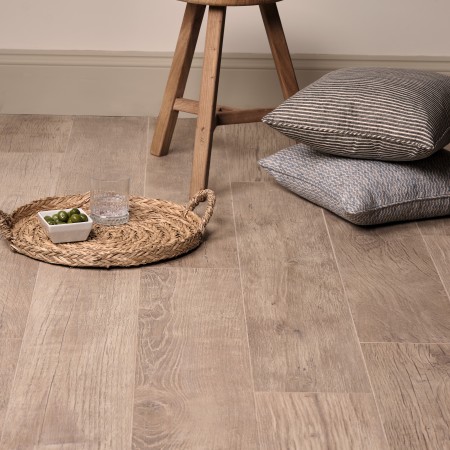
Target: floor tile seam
x,y
28,153
61,152
138,306
434,262
199,268
343,393
355,329
136,344
252,378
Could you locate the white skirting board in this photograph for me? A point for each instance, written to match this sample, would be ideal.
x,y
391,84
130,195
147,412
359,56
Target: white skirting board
x,y
132,84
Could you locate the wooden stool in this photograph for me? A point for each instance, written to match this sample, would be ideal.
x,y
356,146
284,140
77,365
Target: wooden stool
x,y
209,115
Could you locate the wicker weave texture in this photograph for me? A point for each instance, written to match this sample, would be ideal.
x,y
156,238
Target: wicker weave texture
x,y
157,230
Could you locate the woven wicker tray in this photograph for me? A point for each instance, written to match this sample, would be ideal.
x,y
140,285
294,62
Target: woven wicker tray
x,y
157,230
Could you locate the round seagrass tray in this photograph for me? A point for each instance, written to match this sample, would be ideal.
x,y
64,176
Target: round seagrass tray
x,y
157,230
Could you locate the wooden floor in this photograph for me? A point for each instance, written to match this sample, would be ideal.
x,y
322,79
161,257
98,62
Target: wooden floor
x,y
288,328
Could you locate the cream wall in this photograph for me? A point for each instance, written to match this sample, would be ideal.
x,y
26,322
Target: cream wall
x,y
349,27
110,57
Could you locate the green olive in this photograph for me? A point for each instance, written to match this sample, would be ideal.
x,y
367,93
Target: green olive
x,y
59,222
84,217
74,218
51,221
63,216
55,217
47,218
74,211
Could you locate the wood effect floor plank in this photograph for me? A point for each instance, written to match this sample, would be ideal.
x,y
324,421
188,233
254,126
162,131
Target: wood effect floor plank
x,y
300,329
394,291
319,421
412,387
248,143
9,354
75,376
25,177
435,227
436,234
169,178
104,143
193,378
17,279
30,134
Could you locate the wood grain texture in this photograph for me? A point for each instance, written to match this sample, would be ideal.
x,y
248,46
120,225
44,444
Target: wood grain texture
x,y
241,116
17,279
176,83
67,446
75,376
224,114
193,379
246,145
25,177
206,120
300,329
319,421
412,387
436,234
9,354
280,50
394,291
168,178
30,134
435,227
104,143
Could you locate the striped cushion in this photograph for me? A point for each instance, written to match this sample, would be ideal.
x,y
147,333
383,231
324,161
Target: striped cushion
x,y
365,192
370,113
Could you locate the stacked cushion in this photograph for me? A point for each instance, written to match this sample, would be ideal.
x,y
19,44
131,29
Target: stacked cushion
x,y
362,191
370,113
369,118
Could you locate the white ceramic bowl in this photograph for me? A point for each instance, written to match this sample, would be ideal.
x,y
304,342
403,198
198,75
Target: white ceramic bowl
x,y
69,232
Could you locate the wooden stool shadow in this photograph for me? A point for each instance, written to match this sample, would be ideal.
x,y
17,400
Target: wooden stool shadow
x,y
209,115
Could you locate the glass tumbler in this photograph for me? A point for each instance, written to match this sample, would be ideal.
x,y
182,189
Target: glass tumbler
x,y
109,198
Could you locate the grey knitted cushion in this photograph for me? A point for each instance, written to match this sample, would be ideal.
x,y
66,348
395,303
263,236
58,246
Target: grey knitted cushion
x,y
365,192
378,113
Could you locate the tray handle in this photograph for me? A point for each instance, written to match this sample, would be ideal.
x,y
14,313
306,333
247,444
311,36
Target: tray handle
x,y
202,196
5,225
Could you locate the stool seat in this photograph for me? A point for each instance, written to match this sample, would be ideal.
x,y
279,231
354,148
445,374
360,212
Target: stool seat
x,y
230,2
209,114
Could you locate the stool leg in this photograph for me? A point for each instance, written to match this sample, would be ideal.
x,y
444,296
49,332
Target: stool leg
x,y
178,76
206,120
280,50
